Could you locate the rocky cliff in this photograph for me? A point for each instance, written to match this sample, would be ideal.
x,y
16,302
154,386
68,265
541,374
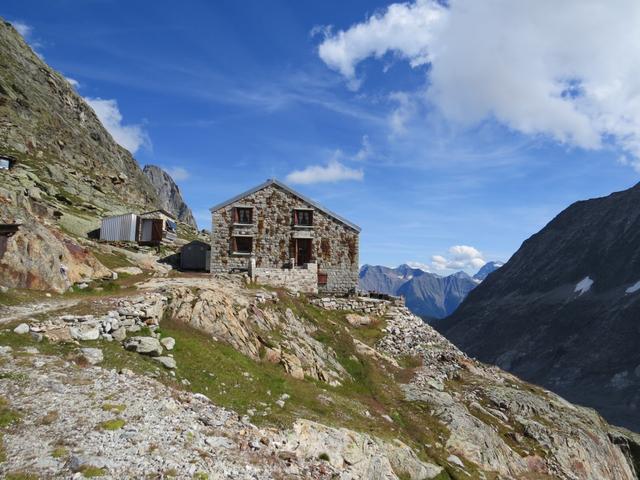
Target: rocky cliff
x,y
199,378
563,312
69,173
169,194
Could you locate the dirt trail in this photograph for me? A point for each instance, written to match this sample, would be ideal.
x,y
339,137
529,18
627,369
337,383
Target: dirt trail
x,y
18,312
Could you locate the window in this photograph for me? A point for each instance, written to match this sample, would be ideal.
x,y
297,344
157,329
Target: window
x,y
303,218
242,244
243,215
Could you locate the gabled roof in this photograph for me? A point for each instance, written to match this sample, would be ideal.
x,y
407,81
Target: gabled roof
x,y
290,190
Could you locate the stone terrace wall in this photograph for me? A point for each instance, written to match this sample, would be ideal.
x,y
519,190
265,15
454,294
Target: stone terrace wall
x,y
335,246
365,305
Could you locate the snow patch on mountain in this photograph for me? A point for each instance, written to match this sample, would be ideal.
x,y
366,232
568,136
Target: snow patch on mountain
x,y
633,288
583,286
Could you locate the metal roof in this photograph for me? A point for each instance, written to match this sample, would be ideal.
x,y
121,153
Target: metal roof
x,y
286,188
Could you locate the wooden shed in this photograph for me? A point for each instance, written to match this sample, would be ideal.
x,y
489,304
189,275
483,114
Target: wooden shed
x,y
195,255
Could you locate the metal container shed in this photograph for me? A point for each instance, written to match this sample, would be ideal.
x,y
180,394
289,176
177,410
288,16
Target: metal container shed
x,y
119,228
195,255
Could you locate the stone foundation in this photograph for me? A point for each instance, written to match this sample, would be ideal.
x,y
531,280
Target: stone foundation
x,y
299,279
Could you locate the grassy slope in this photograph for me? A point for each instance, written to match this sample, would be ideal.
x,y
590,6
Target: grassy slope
x,y
235,381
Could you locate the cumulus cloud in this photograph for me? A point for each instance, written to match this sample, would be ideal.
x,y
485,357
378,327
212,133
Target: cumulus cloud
x,y
565,70
460,257
22,28
131,137
332,172
178,173
73,82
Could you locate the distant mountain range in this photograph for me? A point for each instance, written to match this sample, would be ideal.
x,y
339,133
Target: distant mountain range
x,y
426,294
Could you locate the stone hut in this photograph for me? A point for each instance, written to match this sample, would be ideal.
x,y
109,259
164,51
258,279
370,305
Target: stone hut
x,y
282,238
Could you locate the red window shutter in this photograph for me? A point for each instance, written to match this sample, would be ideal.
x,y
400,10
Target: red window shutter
x,y
234,246
295,217
235,215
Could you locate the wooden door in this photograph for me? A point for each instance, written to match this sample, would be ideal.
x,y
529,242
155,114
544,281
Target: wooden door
x,y
156,231
303,251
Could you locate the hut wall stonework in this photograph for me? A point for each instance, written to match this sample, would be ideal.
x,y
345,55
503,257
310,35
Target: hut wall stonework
x,y
335,246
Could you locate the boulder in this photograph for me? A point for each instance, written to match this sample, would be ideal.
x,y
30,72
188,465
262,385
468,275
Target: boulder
x,y
129,270
21,329
144,345
356,320
85,332
167,362
92,355
119,334
168,343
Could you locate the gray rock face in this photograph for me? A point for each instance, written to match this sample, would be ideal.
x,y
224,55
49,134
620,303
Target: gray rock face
x,y
69,173
532,318
169,194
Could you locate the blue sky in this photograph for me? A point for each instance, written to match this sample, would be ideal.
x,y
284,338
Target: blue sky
x,y
387,117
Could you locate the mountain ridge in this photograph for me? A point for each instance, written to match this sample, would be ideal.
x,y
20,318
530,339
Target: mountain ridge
x,y
561,312
169,194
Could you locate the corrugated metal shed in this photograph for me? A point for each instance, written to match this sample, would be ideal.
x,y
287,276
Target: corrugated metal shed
x,y
119,228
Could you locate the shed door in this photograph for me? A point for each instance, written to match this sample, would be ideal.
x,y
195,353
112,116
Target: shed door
x,y
146,230
156,231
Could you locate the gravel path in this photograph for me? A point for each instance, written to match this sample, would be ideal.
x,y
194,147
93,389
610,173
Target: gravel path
x,y
166,433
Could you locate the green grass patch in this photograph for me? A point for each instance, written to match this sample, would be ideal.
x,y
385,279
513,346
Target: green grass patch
x,y
113,424
59,452
21,475
114,407
90,471
7,415
112,260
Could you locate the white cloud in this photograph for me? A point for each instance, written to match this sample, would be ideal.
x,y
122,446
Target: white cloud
x,y
460,257
131,137
405,110
178,173
22,28
565,70
73,82
26,31
421,266
333,171
365,150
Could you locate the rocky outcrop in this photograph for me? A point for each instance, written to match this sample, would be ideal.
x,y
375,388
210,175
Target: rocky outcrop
x,y
42,258
358,455
169,194
230,315
498,422
563,311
